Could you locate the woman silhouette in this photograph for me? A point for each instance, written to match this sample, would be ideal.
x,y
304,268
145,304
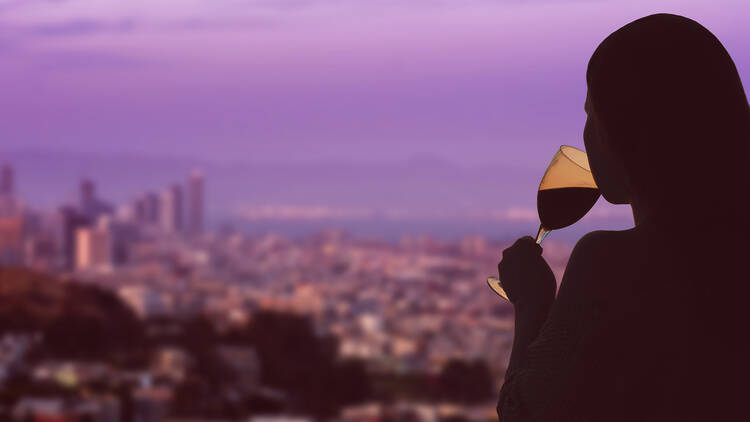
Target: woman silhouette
x,y
648,323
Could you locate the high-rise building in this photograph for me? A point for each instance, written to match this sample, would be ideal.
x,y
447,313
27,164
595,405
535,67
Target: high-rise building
x,y
139,210
179,209
6,180
11,240
87,193
90,205
195,190
41,252
171,209
70,220
94,247
151,208
124,234
10,206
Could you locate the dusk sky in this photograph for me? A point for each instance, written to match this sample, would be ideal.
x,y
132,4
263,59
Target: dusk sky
x,y
468,82
257,80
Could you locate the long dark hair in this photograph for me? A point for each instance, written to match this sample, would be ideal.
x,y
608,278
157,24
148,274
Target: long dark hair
x,y
669,98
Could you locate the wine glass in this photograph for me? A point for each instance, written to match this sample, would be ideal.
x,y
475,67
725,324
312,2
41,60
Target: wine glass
x,y
566,193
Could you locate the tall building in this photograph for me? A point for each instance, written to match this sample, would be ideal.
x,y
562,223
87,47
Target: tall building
x,y
171,209
10,206
179,209
90,205
6,180
151,208
139,209
70,220
195,202
11,240
87,193
124,233
41,252
94,247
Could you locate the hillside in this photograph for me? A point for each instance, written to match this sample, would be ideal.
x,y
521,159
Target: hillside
x,y
76,320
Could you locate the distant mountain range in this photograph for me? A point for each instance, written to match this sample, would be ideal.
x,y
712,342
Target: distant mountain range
x,y
417,186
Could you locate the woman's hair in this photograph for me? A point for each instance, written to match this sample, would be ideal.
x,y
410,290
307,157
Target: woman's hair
x,y
667,96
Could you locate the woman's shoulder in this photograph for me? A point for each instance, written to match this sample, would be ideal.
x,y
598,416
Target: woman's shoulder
x,y
606,245
600,260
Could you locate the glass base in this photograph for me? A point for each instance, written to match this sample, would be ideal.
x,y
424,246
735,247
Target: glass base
x,y
494,284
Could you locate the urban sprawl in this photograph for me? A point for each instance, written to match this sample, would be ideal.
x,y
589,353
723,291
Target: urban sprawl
x,y
370,330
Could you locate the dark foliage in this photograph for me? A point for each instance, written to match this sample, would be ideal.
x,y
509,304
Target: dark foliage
x,y
465,382
77,321
296,360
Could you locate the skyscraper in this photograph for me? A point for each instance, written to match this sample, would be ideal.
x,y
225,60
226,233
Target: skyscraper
x,y
10,206
179,209
93,249
11,240
140,211
90,205
87,193
6,180
151,208
71,220
195,202
171,209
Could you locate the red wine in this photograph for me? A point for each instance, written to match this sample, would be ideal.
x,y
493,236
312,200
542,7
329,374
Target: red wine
x,y
560,208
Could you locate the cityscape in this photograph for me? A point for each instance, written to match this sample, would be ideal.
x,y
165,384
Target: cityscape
x,y
407,329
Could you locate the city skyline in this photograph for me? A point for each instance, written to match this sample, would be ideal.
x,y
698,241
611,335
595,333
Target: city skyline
x,y
295,107
93,234
315,197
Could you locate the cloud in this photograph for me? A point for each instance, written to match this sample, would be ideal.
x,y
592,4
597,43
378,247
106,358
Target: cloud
x,y
320,212
204,24
16,4
85,59
77,27
507,214
70,18
300,213
282,4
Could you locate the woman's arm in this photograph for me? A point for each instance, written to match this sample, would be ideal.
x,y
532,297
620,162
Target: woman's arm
x,y
548,332
528,324
530,285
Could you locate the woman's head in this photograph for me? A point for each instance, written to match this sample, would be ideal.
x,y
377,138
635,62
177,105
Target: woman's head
x,y
668,116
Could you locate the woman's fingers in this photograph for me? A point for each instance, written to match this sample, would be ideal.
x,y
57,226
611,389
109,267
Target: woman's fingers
x,y
524,244
523,272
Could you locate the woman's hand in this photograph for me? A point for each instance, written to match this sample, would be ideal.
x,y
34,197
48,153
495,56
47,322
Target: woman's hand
x,y
526,277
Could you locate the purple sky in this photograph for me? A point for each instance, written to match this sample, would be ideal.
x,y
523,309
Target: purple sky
x,y
490,83
466,80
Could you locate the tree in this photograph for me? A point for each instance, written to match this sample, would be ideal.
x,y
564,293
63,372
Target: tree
x,y
78,321
295,359
465,382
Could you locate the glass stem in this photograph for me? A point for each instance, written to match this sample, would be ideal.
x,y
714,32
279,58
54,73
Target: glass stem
x,y
541,234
